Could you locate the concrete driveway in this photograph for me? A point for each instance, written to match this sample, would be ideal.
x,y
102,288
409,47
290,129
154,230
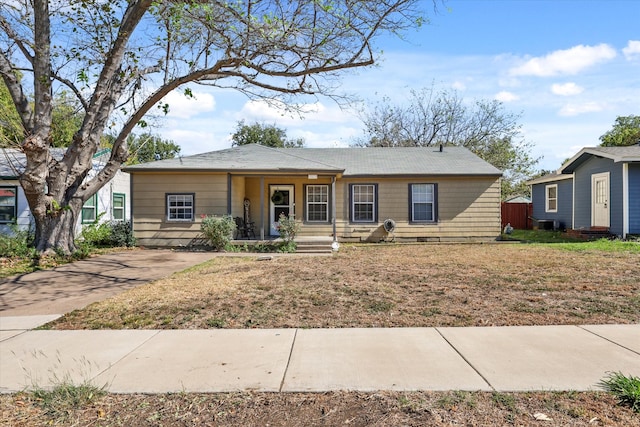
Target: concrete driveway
x,y
76,285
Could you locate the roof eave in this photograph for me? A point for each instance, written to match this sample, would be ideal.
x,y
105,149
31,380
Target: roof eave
x,y
237,171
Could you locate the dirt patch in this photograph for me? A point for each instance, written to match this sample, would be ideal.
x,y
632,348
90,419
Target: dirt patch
x,y
331,409
385,286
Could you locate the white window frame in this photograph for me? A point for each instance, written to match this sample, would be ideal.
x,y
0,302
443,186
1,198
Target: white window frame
x,y
173,206
356,188
317,199
548,199
122,209
91,210
415,199
14,189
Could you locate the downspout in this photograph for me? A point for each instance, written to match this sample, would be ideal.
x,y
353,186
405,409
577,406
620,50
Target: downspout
x,y
625,200
335,245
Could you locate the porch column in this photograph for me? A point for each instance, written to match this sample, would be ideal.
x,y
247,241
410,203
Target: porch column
x,y
333,212
262,208
229,194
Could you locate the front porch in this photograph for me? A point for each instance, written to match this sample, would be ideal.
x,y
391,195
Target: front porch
x,y
257,201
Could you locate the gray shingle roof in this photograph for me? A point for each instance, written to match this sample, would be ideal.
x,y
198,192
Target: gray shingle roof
x,y
617,154
348,161
13,161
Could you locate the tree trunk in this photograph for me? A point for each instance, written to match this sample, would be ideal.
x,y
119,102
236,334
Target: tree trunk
x,y
55,232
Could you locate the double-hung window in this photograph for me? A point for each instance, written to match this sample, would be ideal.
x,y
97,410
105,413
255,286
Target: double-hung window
x,y
363,202
422,202
118,206
551,198
180,207
90,209
8,204
317,198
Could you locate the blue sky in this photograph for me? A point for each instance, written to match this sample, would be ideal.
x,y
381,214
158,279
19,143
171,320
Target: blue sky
x,y
568,67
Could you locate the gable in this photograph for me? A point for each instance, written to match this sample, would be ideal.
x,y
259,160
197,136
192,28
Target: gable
x,y
630,154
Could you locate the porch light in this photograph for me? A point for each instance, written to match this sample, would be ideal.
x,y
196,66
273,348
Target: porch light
x,y
312,176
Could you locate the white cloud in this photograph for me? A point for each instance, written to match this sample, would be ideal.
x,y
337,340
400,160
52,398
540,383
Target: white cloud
x,y
568,61
632,51
505,96
183,107
566,89
576,109
458,85
272,112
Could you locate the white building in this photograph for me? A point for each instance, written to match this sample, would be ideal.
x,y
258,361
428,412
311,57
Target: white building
x,y
112,200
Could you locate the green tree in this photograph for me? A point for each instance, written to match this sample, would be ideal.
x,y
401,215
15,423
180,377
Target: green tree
x,y
625,131
11,132
259,133
431,117
148,148
66,119
120,58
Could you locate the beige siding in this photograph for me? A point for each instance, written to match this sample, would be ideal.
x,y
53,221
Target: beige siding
x,y
150,223
468,207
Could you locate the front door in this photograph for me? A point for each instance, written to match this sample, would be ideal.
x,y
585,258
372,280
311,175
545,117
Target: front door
x,y
600,200
282,203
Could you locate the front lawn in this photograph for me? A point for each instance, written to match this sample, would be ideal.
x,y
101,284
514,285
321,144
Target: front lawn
x,y
389,286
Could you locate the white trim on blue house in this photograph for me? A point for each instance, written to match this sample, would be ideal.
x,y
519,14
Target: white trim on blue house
x,y
625,200
573,201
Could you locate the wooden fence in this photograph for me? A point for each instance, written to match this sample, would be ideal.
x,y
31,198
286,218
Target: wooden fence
x,y
518,215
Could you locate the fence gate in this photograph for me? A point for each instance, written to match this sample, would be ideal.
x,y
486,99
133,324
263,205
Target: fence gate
x,y
518,215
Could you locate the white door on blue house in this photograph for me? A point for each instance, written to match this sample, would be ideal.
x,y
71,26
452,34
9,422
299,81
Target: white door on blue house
x,y
600,200
282,203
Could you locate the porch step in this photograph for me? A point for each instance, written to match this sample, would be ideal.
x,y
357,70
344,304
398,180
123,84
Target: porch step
x,y
314,247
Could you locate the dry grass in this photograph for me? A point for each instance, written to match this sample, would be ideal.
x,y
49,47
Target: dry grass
x,y
330,409
386,286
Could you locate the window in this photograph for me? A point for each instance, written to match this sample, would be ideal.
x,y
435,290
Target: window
x,y
551,203
317,203
8,204
422,201
180,207
363,202
89,209
117,206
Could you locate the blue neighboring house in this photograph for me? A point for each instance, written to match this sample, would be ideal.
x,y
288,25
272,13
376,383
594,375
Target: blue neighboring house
x,y
597,189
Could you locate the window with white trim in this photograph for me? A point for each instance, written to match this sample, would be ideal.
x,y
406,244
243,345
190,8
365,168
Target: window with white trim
x,y
423,202
317,198
180,207
8,204
551,198
363,202
117,206
90,209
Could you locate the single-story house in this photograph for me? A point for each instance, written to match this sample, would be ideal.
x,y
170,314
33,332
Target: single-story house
x,y
597,189
112,200
429,194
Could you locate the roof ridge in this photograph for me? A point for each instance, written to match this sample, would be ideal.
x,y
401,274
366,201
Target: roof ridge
x,y
283,149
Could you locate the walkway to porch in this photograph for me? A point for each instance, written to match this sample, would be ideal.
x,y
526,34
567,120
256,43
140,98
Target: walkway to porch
x,y
305,244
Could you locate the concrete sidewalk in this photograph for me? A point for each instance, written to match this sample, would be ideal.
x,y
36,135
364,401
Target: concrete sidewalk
x,y
288,360
153,361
